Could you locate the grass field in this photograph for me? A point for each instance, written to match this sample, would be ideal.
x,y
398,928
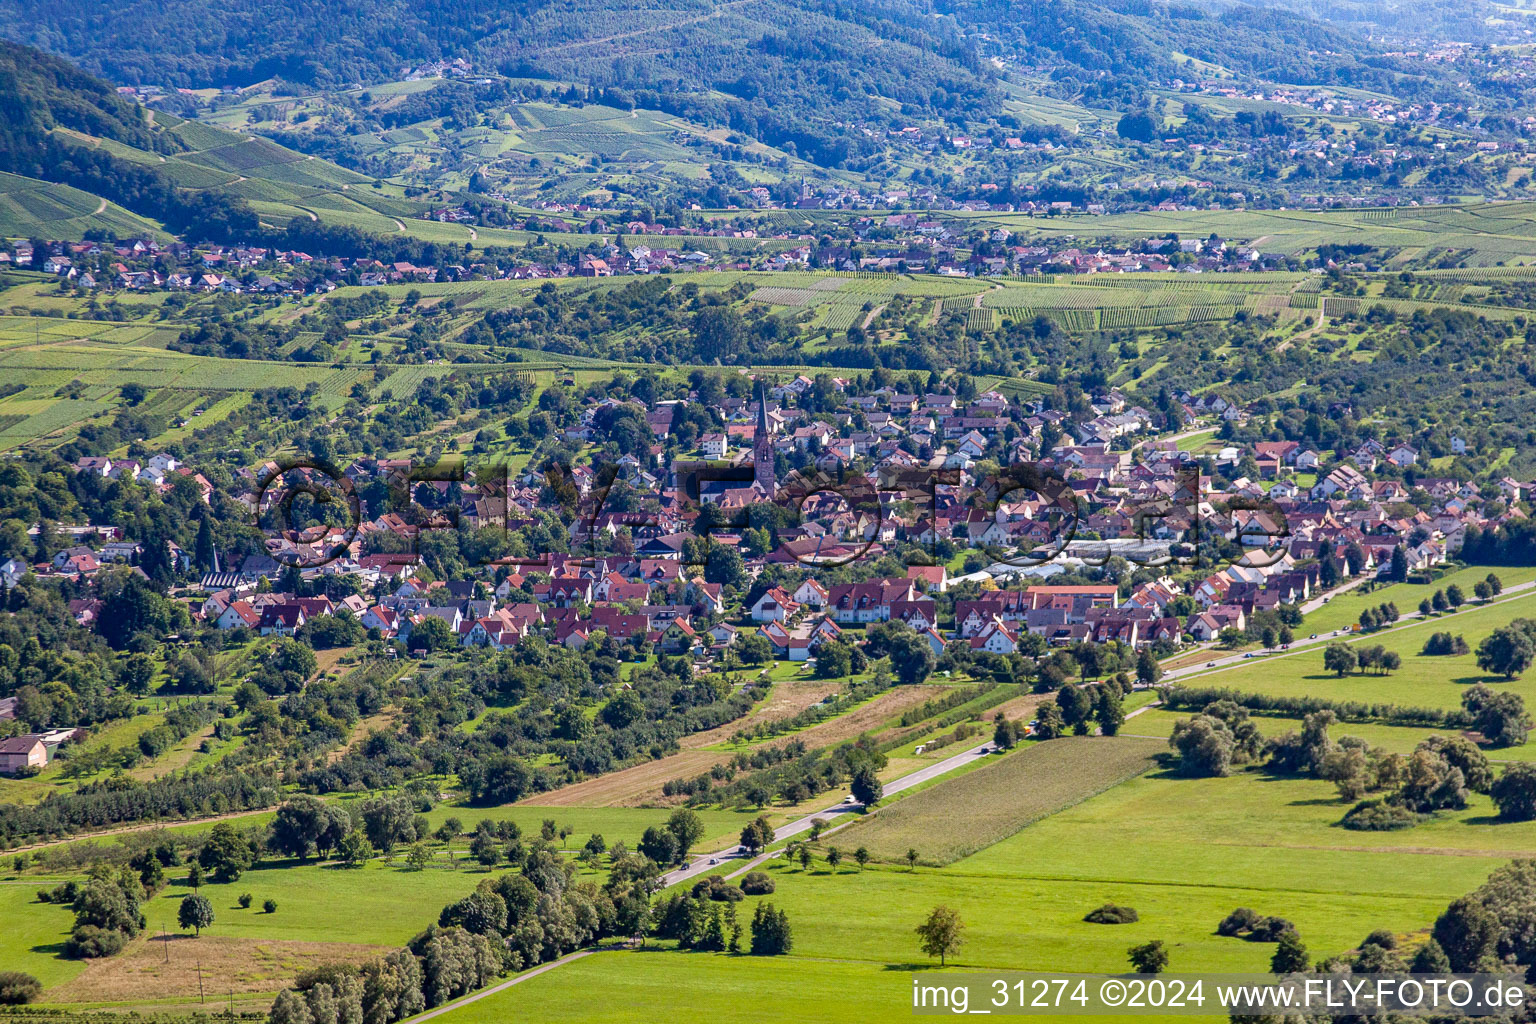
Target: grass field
x,y
1422,681
1345,609
1182,852
994,802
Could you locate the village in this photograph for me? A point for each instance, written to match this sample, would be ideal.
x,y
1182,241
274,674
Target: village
x,y
1286,524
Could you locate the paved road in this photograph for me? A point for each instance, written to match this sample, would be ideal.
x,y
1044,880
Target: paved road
x,y
846,806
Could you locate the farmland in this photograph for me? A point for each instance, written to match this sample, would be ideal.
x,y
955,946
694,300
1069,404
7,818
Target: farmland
x,y
983,807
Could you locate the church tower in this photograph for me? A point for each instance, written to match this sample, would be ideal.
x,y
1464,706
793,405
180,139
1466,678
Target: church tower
x,y
762,447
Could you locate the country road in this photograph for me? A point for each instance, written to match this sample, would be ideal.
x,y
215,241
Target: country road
x,y
845,806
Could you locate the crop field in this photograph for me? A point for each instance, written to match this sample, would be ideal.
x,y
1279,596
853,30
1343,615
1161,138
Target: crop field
x,y
994,802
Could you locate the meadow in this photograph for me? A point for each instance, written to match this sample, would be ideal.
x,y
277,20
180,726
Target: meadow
x,y
1344,609
1423,680
1182,852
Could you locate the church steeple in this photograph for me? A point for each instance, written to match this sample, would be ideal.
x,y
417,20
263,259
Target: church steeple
x,y
762,447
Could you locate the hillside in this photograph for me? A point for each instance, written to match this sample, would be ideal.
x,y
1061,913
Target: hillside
x,y
84,159
788,73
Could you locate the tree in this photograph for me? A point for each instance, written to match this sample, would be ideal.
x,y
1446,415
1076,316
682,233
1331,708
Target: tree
x,y
195,912
1508,650
659,844
861,856
757,835
1500,717
1454,596
226,854
1426,607
418,856
1515,792
1495,584
1075,707
866,786
771,934
942,934
269,906
1482,591
1148,671
1399,571
834,858
1108,710
912,659
911,859
485,848
1290,955
1339,659
1149,957
1138,126
355,849
1048,723
17,988
195,875
431,634
687,828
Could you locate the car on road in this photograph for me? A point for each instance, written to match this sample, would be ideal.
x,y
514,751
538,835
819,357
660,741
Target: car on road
x,y
1312,637
1210,664
713,862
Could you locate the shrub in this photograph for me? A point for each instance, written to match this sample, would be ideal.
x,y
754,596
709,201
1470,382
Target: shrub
x,y
89,942
244,900
1379,816
1112,913
717,888
1269,929
17,988
62,895
269,906
1240,920
757,883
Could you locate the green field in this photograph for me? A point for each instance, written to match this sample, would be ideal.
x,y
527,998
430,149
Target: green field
x,y
1182,852
1344,610
1422,681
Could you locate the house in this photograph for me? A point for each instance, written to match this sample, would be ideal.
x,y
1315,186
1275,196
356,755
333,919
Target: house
x,y
22,753
811,594
774,606
995,638
930,579
238,615
867,602
281,619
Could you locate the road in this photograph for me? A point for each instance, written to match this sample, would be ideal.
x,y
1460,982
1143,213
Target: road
x,y
848,806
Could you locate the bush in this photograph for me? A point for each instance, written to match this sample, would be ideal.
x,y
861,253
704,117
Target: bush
x,y
1240,920
717,888
60,895
89,942
269,906
1269,929
244,900
17,988
1379,816
757,883
1112,913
